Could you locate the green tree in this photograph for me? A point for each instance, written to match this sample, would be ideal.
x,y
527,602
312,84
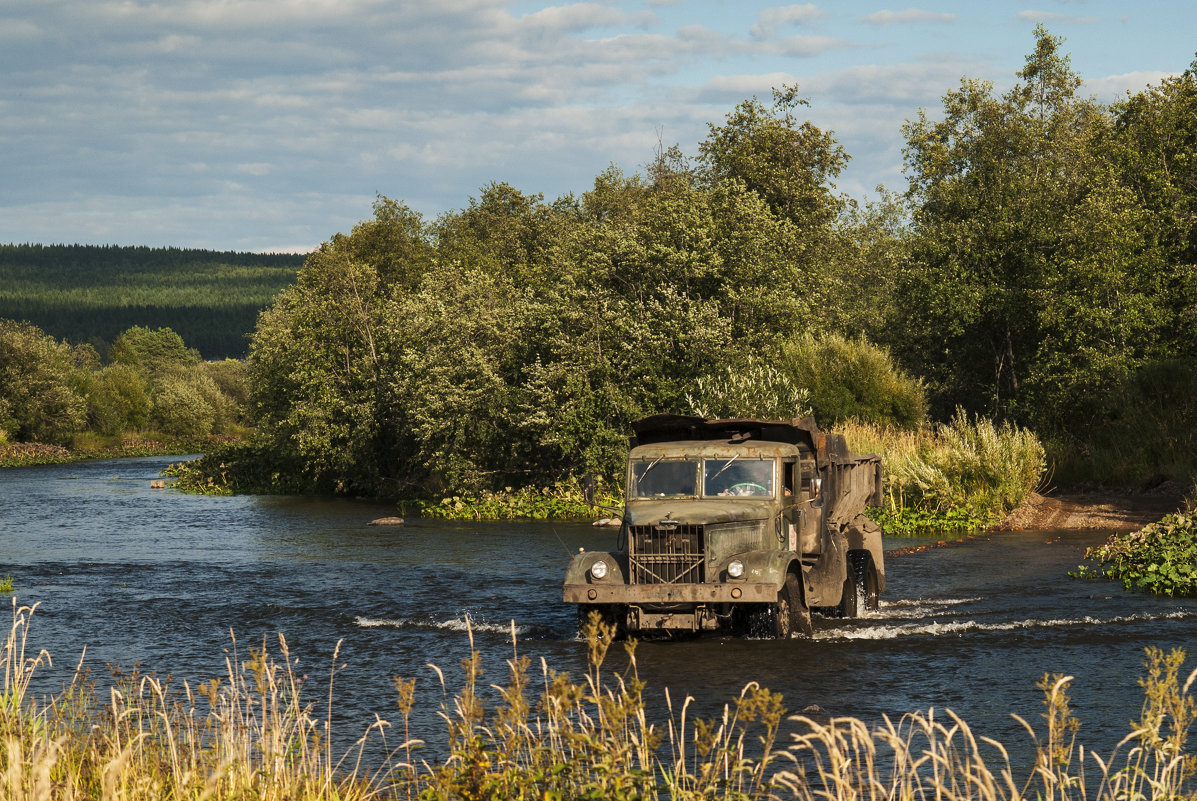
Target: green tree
x,y
118,399
852,379
37,401
156,351
1032,288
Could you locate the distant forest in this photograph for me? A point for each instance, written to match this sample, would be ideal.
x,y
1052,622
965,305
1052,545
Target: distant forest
x,y
91,294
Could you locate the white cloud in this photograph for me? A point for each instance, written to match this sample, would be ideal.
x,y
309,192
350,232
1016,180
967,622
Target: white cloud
x,y
1115,87
769,20
1054,16
886,17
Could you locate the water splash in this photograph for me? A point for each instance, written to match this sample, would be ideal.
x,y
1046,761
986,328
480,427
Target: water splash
x,y
464,623
938,629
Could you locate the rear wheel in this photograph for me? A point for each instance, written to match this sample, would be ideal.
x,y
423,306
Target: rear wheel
x,y
860,586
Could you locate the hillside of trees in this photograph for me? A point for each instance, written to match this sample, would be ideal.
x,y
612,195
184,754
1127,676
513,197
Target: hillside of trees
x,y
92,294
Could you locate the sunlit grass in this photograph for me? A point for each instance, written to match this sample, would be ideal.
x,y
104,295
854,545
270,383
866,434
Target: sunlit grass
x,y
965,473
250,734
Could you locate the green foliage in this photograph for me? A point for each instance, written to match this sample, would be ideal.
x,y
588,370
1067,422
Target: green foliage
x,y
183,405
1034,283
118,399
512,343
6,587
963,475
153,351
562,501
920,521
1160,558
753,389
853,379
91,294
37,401
1144,429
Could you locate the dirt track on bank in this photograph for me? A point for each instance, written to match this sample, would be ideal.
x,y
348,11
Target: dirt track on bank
x,y
1112,510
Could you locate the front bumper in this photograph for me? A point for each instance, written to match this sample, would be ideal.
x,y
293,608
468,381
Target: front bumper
x,y
649,594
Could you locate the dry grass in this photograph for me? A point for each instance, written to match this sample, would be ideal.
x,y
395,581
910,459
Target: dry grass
x,y
249,735
972,465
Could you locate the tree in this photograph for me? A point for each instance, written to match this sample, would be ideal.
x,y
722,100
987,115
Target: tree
x,y
155,351
1032,287
37,402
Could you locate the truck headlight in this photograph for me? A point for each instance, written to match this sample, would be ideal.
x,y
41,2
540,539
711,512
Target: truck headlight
x,y
599,569
735,568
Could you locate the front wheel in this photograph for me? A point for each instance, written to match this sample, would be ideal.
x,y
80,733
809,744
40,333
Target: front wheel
x,y
785,618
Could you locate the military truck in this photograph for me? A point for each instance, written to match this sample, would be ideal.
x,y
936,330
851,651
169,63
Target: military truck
x,y
745,526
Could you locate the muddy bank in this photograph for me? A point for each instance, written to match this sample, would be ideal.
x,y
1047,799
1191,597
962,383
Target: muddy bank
x,y
1124,511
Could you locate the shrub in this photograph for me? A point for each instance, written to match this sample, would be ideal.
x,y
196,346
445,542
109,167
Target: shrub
x,y
1160,558
964,474
753,389
37,401
182,409
118,399
853,379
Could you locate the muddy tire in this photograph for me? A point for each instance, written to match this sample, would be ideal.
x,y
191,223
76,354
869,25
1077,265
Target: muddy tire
x,y
864,596
850,598
785,618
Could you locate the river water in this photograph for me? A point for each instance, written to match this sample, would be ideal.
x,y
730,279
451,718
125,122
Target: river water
x,y
167,581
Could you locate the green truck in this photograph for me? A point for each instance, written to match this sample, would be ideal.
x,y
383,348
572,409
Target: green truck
x,y
744,526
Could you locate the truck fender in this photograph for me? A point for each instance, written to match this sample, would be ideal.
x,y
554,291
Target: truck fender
x,y
865,535
770,567
578,571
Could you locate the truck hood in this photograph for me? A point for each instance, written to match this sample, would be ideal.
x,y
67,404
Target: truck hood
x,y
695,512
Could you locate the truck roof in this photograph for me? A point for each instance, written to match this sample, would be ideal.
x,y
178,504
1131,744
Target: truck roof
x,y
798,431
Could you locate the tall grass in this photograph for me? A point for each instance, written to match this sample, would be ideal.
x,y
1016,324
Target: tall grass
x,y
966,473
251,735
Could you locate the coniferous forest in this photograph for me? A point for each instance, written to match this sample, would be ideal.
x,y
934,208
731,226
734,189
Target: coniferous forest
x,y
85,293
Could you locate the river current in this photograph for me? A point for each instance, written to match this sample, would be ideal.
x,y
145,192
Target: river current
x,y
176,583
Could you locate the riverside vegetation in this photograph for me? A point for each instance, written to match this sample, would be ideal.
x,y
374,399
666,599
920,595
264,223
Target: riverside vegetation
x,y
59,402
251,734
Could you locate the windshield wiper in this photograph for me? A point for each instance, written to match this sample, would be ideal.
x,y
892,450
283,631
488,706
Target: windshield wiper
x,y
650,467
721,469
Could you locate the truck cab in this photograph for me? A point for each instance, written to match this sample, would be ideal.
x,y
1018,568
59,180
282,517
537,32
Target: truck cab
x,y
745,526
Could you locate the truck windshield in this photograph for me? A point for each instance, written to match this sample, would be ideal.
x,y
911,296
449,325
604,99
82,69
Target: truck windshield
x,y
664,478
737,477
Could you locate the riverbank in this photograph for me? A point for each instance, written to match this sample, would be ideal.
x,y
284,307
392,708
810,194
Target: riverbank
x,y
27,454
1121,510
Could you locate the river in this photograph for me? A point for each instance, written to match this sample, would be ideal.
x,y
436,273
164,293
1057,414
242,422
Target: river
x,y
167,581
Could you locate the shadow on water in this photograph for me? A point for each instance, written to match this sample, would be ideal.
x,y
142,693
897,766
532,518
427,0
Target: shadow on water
x,y
163,579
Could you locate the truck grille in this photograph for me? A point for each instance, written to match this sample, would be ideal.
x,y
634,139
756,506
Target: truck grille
x,y
667,554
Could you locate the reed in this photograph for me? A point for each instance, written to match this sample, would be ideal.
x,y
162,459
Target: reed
x,y
250,735
966,473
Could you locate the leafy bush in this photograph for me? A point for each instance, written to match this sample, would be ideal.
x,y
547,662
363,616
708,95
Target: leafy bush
x,y
182,408
118,399
562,501
1144,428
853,379
754,389
1160,558
37,400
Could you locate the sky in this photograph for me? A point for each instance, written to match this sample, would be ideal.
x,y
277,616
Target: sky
x,y
271,125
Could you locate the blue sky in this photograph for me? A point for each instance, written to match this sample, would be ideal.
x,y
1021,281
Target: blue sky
x,y
273,124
